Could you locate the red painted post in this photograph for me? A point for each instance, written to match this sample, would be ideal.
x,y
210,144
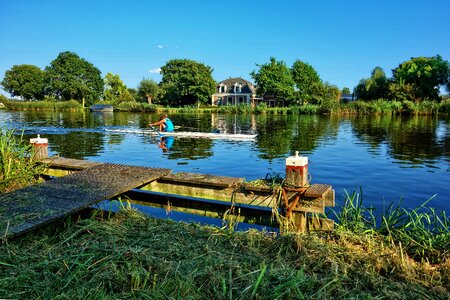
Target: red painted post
x,y
40,146
297,171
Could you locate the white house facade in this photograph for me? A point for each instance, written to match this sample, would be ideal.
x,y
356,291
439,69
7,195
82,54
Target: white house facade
x,y
234,91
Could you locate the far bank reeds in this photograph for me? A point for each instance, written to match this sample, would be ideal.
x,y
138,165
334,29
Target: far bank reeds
x,y
43,105
376,107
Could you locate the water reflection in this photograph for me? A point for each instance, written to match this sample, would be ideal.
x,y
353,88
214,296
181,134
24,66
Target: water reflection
x,y
414,140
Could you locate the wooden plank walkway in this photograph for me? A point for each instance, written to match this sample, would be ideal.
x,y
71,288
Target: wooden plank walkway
x,y
33,206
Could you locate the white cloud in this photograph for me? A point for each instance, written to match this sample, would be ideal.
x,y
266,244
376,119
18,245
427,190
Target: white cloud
x,y
155,71
160,46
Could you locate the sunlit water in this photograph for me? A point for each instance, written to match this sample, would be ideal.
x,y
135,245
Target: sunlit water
x,y
391,158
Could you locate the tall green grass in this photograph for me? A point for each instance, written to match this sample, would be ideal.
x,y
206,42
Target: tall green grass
x,y
423,232
17,166
43,105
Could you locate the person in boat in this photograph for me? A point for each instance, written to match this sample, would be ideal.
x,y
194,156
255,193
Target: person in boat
x,y
164,123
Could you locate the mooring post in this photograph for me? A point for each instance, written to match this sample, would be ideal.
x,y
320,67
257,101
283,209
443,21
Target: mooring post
x,y
40,146
295,184
297,171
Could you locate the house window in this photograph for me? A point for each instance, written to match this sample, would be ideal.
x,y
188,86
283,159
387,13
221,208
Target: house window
x,y
238,89
241,100
230,100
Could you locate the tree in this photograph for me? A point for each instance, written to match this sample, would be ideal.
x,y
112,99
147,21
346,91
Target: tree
x,y
115,90
376,87
346,90
186,82
274,78
426,74
26,81
148,90
71,77
306,80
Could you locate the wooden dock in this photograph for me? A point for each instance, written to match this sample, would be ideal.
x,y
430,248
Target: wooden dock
x,y
80,184
33,206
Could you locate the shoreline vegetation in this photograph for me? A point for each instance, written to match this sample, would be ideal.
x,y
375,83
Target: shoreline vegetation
x,y
384,107
397,254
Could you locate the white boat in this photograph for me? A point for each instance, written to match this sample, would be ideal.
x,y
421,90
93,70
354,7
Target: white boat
x,y
207,135
101,108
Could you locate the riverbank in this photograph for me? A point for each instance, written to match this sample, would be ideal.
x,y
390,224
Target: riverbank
x,y
378,107
128,255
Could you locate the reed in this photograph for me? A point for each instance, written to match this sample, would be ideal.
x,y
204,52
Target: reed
x,y
17,166
43,105
423,232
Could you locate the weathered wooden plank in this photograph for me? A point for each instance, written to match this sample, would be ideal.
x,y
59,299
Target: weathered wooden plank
x,y
317,190
69,163
322,224
42,203
203,179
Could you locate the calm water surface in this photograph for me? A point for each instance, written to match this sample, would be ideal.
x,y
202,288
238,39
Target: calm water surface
x,y
390,158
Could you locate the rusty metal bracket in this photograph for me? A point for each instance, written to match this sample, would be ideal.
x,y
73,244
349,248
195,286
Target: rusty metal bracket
x,y
298,194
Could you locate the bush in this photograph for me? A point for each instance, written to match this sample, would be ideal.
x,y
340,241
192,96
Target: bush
x,y
445,106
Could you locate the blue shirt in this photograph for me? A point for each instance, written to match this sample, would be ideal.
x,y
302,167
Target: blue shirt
x,y
169,125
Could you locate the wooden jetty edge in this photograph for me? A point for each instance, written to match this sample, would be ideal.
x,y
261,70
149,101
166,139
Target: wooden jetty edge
x,y
33,206
80,184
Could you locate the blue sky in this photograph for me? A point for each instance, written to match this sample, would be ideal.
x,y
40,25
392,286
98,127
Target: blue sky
x,y
342,40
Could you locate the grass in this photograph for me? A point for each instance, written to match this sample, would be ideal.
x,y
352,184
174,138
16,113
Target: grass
x,y
17,166
423,232
43,105
129,255
377,107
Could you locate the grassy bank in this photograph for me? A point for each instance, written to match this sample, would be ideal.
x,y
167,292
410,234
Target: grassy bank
x,y
378,107
129,255
42,105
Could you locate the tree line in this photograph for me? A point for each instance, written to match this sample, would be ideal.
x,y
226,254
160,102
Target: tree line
x,y
187,82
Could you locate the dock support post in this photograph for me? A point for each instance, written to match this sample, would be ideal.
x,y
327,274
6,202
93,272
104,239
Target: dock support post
x,y
40,146
297,171
295,184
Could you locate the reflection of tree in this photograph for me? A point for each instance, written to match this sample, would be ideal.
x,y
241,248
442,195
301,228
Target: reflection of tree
x,y
309,129
77,144
410,138
190,148
372,130
415,140
274,136
279,135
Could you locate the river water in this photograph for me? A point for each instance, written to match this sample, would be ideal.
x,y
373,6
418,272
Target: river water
x,y
392,159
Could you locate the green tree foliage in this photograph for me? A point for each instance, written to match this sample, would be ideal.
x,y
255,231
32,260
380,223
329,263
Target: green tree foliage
x,y
26,81
401,91
426,74
376,87
71,77
306,80
148,90
115,90
346,90
274,78
186,82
